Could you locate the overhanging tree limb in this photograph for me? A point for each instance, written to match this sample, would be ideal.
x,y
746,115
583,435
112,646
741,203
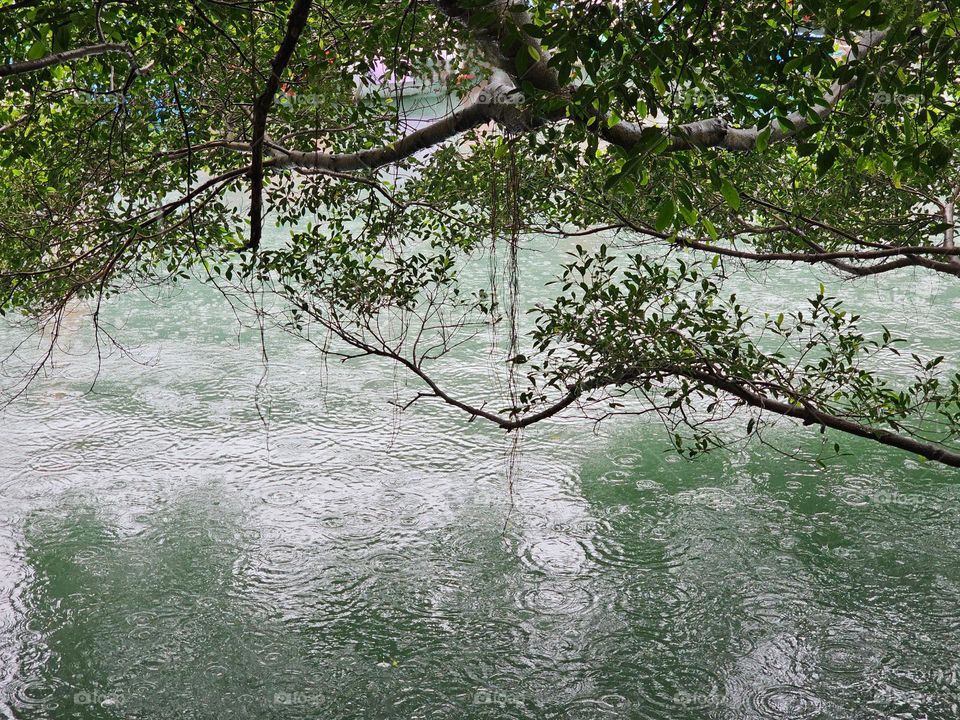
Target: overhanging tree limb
x,y
296,21
496,104
491,104
813,416
59,58
739,389
489,24
911,256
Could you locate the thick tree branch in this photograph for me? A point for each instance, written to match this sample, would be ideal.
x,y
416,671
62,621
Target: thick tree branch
x,y
492,104
28,66
489,24
296,21
716,133
496,102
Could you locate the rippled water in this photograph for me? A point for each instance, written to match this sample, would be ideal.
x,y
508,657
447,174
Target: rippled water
x,y
162,554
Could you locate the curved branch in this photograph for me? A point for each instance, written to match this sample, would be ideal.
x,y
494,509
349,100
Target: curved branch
x,y
495,104
509,425
904,256
492,104
28,66
811,416
805,412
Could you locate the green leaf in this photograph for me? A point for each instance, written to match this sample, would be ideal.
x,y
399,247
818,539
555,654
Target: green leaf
x,y
763,139
826,160
665,214
711,230
657,82
940,155
730,194
37,50
689,214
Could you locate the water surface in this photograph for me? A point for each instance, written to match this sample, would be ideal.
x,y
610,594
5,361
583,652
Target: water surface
x,y
188,540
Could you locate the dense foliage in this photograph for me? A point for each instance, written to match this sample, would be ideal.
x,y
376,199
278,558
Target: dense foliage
x,y
140,142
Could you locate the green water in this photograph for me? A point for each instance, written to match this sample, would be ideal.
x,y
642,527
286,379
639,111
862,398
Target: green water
x,y
165,553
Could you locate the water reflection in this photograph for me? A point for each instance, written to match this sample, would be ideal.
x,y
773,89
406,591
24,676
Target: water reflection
x,y
713,591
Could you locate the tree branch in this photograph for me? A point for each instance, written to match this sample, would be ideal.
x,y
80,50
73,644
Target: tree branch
x,y
492,104
906,256
810,415
28,66
296,21
488,22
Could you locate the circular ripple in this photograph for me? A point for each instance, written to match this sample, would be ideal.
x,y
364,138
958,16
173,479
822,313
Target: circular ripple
x,y
625,551
849,657
713,498
653,607
36,694
196,532
558,600
331,522
143,634
787,701
409,521
281,497
277,564
644,485
627,459
217,670
685,690
554,555
388,563
583,528
616,477
142,618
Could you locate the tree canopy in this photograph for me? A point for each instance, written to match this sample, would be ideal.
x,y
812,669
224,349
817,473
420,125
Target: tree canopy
x,y
688,143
